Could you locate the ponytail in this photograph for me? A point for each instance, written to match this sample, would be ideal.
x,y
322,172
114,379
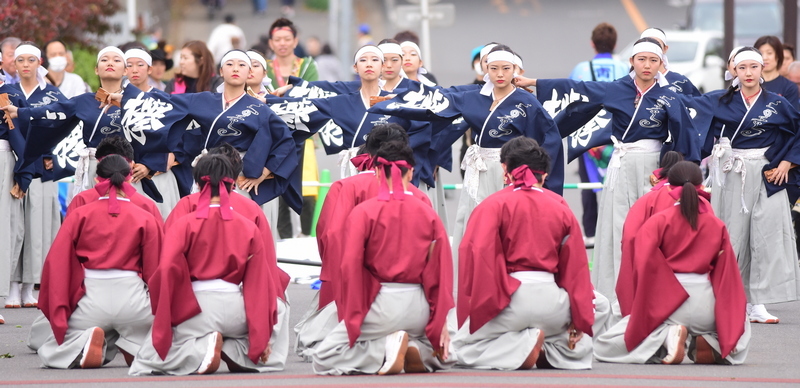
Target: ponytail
x,y
687,175
690,204
114,168
728,96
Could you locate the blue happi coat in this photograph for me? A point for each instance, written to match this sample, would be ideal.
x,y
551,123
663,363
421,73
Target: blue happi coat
x,y
71,124
771,122
16,138
343,122
518,114
198,121
678,83
660,114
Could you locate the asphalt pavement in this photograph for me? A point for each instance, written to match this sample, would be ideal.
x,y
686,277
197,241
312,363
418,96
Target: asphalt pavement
x,y
772,362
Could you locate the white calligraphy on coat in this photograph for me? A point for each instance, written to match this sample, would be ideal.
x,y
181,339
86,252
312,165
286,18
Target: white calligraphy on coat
x,y
556,104
143,114
297,115
426,98
756,129
49,98
583,135
306,90
66,152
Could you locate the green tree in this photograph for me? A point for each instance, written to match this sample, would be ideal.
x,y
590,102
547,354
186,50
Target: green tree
x,y
80,22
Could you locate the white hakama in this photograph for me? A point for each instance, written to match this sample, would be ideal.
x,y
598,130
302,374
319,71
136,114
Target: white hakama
x,y
270,210
397,307
762,236
222,312
40,332
85,172
604,316
12,218
506,341
42,220
483,177
697,314
168,188
119,306
628,179
314,327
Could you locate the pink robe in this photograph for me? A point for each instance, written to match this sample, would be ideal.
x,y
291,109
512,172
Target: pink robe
x,y
92,238
208,249
659,198
384,244
521,230
666,244
344,195
137,199
250,210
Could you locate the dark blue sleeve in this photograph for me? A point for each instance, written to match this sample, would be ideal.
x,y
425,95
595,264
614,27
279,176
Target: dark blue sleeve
x,y
320,89
791,93
424,104
543,129
274,148
153,116
572,104
154,161
685,138
46,126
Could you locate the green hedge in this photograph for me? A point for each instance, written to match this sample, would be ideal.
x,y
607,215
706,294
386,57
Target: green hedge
x,y
85,62
319,5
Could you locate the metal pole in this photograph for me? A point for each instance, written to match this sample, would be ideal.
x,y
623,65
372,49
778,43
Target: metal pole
x,y
131,8
728,26
346,34
426,34
333,24
790,23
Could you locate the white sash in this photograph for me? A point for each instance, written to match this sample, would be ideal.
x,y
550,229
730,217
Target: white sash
x,y
533,276
474,162
108,273
692,278
82,176
347,169
621,149
217,285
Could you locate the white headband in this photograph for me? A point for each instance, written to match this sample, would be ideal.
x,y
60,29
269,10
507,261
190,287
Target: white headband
x,y
486,49
647,47
257,57
501,56
236,54
368,49
110,49
413,46
41,72
728,75
391,48
139,53
654,33
734,51
27,49
495,56
747,55
518,61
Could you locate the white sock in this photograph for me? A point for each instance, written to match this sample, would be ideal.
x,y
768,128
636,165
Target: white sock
x,y
13,292
27,293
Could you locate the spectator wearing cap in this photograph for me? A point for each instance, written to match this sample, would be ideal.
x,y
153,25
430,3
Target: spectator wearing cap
x,y
161,65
